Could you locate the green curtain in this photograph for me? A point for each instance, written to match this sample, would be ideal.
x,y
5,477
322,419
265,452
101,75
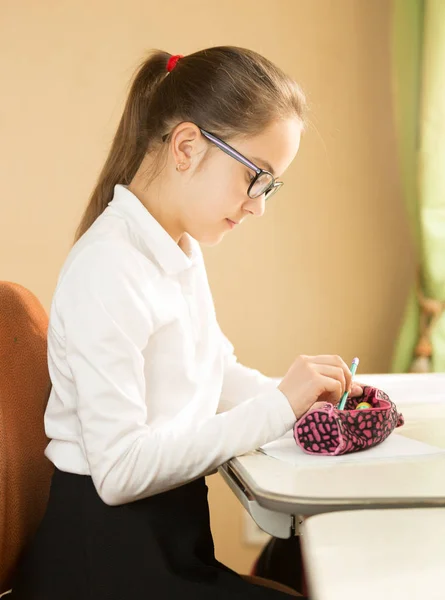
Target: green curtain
x,y
418,53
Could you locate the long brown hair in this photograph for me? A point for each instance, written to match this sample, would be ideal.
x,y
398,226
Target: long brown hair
x,y
227,90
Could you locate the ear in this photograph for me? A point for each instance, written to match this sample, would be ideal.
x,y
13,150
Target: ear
x,y
186,144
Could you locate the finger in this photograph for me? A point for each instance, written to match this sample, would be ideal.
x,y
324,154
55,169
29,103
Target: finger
x,y
333,372
356,390
333,387
333,359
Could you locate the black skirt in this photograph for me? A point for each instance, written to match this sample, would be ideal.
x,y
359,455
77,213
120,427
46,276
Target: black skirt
x,y
157,548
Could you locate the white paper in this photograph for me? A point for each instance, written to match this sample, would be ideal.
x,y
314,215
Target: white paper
x,y
394,447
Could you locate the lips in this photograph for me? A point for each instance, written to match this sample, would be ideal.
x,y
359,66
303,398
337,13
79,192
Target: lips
x,y
231,223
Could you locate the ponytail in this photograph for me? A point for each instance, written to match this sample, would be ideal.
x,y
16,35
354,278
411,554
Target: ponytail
x,y
131,140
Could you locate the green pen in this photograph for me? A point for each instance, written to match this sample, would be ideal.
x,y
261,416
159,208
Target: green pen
x,y
354,366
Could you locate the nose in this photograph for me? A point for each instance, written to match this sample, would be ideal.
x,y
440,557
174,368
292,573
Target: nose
x,y
255,206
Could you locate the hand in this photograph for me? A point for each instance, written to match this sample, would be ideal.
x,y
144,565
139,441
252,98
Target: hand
x,y
311,379
356,392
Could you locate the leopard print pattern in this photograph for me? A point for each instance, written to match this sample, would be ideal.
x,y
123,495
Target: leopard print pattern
x,y
331,431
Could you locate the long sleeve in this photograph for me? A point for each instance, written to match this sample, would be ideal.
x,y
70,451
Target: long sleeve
x,y
240,383
108,320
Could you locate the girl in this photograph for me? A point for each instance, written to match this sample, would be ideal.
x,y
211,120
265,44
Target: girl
x,y
147,394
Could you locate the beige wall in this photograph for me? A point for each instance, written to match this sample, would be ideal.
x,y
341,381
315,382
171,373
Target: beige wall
x,y
325,270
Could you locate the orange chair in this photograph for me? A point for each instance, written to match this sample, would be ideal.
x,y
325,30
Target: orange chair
x,y
25,473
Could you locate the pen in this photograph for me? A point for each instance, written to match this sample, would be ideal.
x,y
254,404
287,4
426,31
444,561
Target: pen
x,y
354,366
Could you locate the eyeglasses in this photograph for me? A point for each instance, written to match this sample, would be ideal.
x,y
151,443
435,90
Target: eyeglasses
x,y
263,181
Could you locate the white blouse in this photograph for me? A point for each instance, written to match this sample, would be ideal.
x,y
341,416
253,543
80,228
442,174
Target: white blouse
x,y
147,393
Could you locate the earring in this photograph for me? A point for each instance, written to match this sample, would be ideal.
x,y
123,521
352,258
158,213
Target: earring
x,y
179,166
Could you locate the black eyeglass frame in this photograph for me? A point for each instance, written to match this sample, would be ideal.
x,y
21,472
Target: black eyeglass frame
x,y
269,191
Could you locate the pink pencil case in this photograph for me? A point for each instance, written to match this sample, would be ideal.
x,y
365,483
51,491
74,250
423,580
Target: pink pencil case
x,y
330,431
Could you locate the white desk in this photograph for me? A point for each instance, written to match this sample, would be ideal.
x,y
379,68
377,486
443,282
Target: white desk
x,y
376,554
276,493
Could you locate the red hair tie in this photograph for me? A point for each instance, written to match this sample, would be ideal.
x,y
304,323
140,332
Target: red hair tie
x,y
173,61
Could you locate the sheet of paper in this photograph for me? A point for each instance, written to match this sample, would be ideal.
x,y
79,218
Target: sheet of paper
x,y
396,447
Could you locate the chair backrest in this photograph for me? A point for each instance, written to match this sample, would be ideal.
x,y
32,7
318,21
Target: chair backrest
x,y
25,473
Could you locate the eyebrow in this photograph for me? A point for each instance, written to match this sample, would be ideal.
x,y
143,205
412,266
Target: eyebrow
x,y
265,164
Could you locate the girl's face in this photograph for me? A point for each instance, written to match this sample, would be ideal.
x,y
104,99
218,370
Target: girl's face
x,y
214,194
